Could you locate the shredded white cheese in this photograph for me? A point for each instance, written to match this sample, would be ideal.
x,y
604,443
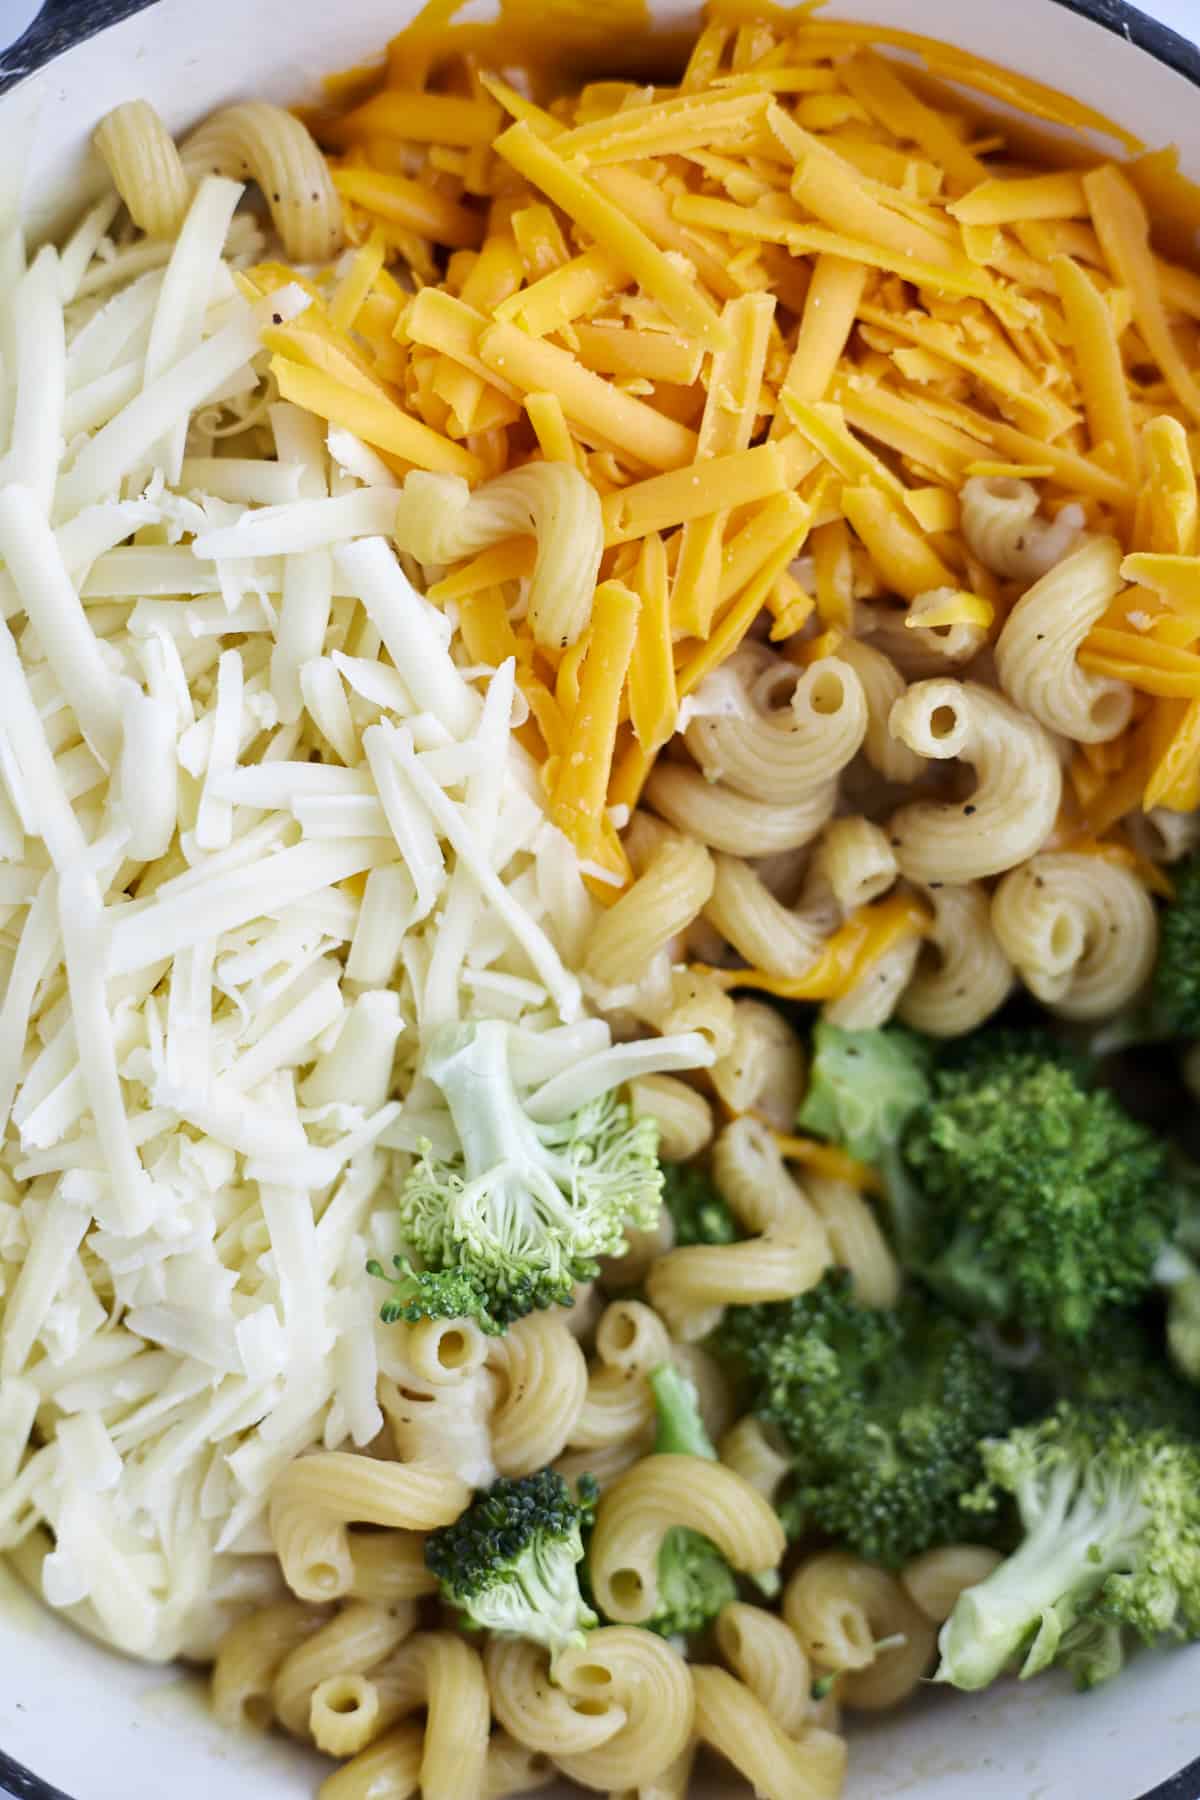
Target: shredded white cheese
x,y
260,830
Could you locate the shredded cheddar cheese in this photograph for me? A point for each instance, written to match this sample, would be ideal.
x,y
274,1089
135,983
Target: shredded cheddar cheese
x,y
787,297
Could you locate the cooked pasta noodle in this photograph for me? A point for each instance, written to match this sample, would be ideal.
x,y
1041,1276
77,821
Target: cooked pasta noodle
x,y
725,819
919,651
773,733
763,1071
872,999
935,1580
632,1338
140,155
781,940
787,1258
765,1654
249,1657
674,1782
731,1719
714,1394
882,685
343,1714
857,1620
542,1379
650,1681
856,1240
663,900
1000,523
604,1462
753,1451
1036,651
388,1769
617,1409
627,1271
439,519
514,1768
360,1636
538,1711
388,1566
683,1116
1013,808
260,142
660,1492
962,975
318,1496
693,1001
854,856
1081,931
438,1670
446,1426
441,1352
754,1179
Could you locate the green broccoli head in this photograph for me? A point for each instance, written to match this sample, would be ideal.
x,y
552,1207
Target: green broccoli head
x,y
1043,1201
864,1086
526,1208
455,1294
1110,1512
510,1563
698,1213
694,1583
1176,987
1120,1362
882,1413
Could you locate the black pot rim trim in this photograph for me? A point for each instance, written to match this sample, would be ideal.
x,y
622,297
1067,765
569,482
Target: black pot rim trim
x,y
44,41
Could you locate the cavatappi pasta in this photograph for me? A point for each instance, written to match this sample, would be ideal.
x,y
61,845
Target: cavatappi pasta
x,y
623,560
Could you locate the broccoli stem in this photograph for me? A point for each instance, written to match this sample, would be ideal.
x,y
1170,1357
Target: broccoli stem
x,y
492,1125
1073,1545
680,1428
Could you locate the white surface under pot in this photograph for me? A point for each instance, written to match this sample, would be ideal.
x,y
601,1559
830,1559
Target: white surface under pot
x,y
95,1727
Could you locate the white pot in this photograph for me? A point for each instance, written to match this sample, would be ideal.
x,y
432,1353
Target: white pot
x,y
99,1728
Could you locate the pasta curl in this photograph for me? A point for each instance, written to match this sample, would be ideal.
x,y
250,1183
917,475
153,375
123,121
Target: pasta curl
x,y
1081,930
1019,784
1036,651
439,519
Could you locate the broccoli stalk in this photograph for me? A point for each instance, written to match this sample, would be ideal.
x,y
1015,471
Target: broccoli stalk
x,y
694,1580
1044,1202
881,1412
526,1208
509,1563
679,1429
1111,1516
864,1086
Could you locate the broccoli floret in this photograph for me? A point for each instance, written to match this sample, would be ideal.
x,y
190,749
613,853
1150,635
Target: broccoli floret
x,y
526,1209
882,1413
1176,987
698,1213
441,1294
694,1580
1111,1517
1044,1202
1121,1363
864,1086
510,1562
